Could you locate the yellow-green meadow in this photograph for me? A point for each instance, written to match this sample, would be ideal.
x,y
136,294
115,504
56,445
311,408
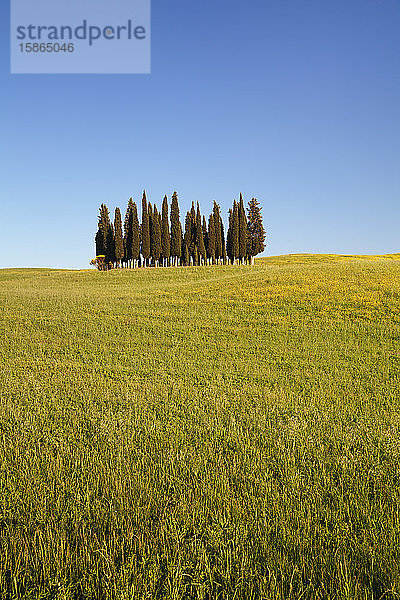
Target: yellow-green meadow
x,y
202,432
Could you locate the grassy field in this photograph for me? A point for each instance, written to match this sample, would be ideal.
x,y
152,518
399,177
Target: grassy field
x,y
207,432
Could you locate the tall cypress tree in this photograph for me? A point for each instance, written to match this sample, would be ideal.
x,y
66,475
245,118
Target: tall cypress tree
x,y
223,245
99,243
110,247
165,234
185,254
103,236
128,232
229,245
145,230
205,235
188,233
193,228
119,244
235,231
155,235
211,238
242,230
256,232
151,227
135,235
217,225
181,238
199,236
176,229
102,230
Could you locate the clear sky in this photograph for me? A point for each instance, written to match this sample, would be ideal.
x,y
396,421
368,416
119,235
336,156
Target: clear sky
x,y
295,102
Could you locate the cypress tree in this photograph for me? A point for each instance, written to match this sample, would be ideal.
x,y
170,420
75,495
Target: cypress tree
x,y
181,238
156,236
193,229
102,230
110,247
165,234
217,226
188,233
229,245
211,239
128,232
135,235
256,232
151,228
119,243
145,230
242,230
186,257
99,243
199,236
176,229
235,231
103,236
195,256
205,236
223,242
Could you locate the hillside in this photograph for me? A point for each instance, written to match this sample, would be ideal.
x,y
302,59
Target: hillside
x,y
204,432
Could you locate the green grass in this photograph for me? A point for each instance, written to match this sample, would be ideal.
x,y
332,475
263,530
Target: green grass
x,y
219,432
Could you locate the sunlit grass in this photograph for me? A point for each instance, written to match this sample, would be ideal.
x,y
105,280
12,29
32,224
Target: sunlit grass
x,y
226,432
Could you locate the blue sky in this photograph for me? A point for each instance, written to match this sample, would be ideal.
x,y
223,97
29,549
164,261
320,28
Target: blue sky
x,y
293,102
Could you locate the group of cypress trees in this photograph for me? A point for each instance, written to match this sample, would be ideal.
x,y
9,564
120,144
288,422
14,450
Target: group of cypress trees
x,y
160,241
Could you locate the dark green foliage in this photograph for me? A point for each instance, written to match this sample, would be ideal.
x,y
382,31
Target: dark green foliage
x,y
186,257
220,249
156,239
110,246
211,238
156,235
217,225
229,246
145,229
119,244
99,243
128,232
151,228
188,232
176,228
131,233
235,230
180,234
165,233
105,242
205,235
135,234
255,228
102,231
199,235
242,233
223,242
193,231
